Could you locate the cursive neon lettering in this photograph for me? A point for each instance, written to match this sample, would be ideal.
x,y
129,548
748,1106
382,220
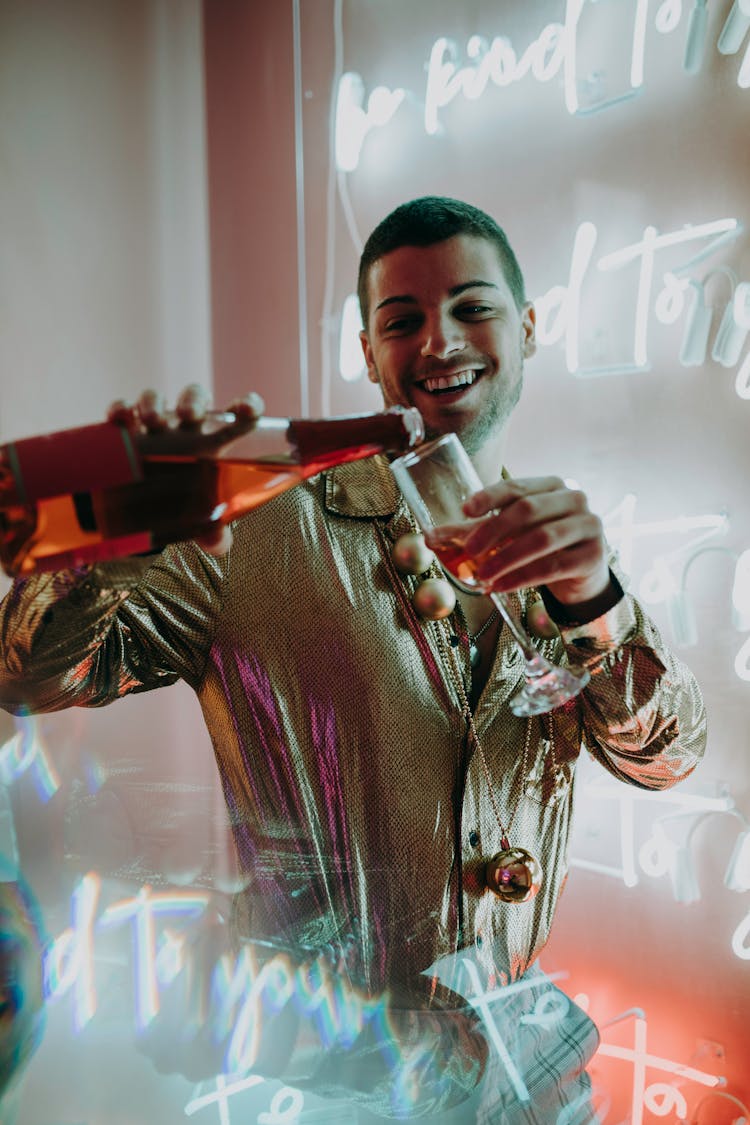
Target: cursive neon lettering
x,y
553,49
69,962
25,751
742,380
559,308
668,16
639,44
142,910
566,299
496,61
742,661
740,946
353,122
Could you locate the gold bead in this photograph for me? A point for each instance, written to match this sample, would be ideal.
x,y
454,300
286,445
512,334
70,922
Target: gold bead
x,y
412,555
434,599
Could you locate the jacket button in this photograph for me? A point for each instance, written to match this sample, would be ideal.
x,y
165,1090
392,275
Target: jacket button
x,y
474,838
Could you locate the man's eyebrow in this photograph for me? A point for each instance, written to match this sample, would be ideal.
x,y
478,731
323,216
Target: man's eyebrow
x,y
477,281
399,299
407,299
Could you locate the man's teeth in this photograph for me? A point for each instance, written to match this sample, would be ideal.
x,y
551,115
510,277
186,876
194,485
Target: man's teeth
x,y
449,382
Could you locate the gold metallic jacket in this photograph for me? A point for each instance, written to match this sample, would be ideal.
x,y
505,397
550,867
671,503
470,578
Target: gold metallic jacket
x,y
360,812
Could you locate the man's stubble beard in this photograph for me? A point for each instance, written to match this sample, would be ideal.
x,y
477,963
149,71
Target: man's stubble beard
x,y
489,422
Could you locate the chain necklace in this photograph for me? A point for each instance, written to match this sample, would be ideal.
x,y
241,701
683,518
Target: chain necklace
x,y
474,638
513,873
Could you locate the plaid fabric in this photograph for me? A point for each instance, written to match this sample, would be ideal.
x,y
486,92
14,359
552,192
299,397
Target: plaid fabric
x,y
541,1044
550,1056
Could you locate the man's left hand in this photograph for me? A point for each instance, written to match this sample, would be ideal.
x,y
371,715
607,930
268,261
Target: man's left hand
x,y
538,532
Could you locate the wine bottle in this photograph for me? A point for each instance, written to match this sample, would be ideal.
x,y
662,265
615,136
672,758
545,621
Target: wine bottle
x,y
103,491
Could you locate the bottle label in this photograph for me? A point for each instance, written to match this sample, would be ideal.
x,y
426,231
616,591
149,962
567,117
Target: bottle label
x,y
86,459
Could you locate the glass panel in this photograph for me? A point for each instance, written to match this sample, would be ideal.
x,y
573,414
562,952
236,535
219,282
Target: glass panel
x,y
608,138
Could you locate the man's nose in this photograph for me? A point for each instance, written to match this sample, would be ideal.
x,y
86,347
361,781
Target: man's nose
x,y
442,338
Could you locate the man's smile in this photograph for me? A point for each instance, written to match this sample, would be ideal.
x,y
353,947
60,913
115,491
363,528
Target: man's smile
x,y
453,384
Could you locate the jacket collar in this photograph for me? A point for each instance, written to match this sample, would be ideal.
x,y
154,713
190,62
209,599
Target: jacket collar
x,y
363,489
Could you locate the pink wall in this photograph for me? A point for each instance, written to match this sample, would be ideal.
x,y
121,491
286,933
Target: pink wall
x,y
251,175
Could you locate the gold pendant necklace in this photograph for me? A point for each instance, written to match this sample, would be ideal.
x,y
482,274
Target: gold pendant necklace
x,y
513,873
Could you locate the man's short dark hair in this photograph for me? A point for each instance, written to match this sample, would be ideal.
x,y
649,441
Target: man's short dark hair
x,y
430,219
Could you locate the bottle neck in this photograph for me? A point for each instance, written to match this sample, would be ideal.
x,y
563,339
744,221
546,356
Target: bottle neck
x,y
323,442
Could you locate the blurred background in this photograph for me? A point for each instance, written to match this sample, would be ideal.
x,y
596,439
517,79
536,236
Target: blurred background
x,y
184,191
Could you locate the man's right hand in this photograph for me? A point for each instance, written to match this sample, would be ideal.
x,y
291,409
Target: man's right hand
x,y
149,415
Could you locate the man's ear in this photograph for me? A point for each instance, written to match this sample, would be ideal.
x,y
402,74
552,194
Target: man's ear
x,y
528,327
372,371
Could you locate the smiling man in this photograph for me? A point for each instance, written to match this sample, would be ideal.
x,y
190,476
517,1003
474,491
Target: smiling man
x,y
361,726
448,326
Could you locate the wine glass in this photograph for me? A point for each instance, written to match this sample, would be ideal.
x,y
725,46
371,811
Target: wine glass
x,y
436,479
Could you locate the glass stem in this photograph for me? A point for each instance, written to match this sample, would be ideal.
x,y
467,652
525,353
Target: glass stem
x,y
536,664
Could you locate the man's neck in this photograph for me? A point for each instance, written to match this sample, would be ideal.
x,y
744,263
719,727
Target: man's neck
x,y
489,459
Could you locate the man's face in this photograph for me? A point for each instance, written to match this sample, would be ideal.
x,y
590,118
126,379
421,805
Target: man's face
x,y
445,335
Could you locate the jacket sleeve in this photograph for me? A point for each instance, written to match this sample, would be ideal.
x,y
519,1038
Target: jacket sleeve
x,y
642,714
88,636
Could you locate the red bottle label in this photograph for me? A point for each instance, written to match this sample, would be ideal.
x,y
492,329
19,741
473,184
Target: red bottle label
x,y
85,459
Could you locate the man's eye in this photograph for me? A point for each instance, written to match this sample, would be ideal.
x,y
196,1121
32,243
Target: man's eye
x,y
400,324
474,309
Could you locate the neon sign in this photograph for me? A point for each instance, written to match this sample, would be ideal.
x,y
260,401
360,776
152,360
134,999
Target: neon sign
x,y
26,752
659,1098
740,946
623,531
666,579
69,961
241,992
354,121
286,1103
496,62
626,800
644,252
244,991
742,662
558,310
661,854
732,36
